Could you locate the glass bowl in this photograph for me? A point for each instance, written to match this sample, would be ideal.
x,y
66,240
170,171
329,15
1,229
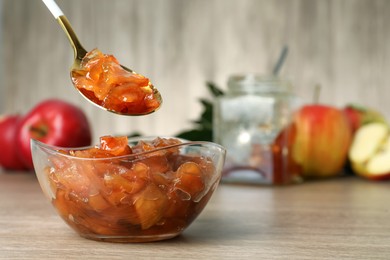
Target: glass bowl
x,y
140,197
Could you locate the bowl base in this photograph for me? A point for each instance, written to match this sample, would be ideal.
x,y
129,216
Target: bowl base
x,y
129,239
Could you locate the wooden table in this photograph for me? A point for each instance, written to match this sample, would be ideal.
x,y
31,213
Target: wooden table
x,y
343,218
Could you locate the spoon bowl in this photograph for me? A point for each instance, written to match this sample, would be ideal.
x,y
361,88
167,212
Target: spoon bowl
x,y
80,52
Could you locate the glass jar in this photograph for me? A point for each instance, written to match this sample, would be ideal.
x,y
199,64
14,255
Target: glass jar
x,y
248,121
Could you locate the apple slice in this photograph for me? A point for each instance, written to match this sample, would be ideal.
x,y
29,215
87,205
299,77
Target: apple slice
x,y
370,151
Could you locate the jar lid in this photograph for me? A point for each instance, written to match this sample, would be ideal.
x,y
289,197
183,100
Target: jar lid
x,y
259,84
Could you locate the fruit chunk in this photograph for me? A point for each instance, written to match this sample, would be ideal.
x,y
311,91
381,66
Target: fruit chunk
x,y
103,81
150,205
117,146
189,179
153,191
370,151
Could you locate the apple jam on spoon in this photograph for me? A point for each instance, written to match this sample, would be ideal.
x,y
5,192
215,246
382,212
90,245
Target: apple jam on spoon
x,y
102,80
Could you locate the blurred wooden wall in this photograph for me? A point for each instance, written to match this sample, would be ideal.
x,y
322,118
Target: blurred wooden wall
x,y
180,44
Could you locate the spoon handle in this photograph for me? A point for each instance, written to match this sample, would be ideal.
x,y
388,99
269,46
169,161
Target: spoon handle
x,y
79,51
53,8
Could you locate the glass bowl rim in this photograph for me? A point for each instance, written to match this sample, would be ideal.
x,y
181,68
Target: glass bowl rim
x,y
55,150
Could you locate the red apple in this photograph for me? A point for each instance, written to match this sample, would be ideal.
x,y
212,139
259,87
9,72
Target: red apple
x,y
53,122
359,115
322,140
8,149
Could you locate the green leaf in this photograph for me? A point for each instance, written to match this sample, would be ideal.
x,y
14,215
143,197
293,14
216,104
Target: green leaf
x,y
206,103
197,135
134,134
207,110
216,91
203,129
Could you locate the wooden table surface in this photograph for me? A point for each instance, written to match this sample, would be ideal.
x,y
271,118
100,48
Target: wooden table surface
x,y
343,218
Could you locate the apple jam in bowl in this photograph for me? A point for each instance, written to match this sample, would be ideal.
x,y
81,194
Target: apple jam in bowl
x,y
129,190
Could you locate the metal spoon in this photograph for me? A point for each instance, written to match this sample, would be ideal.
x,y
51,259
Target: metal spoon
x,y
80,52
